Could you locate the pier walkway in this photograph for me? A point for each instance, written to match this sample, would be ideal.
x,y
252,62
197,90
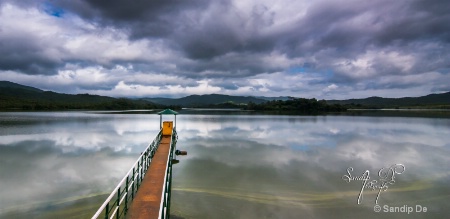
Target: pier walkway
x,y
147,203
145,190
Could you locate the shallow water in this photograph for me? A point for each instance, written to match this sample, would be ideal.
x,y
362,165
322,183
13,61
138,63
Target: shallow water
x,y
62,164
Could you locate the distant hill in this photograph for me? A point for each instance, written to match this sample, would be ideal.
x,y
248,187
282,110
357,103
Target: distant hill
x,y
11,85
16,96
206,100
284,98
428,101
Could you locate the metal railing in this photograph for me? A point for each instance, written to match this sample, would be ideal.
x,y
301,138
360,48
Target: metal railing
x,y
116,205
164,209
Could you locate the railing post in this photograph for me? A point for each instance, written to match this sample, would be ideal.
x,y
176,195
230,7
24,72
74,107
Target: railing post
x,y
118,203
140,172
169,190
107,211
149,160
126,197
144,163
134,184
138,175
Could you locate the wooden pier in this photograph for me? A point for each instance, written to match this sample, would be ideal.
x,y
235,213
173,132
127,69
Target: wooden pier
x,y
145,190
147,203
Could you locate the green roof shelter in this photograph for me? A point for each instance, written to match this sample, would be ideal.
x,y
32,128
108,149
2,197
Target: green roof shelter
x,y
167,112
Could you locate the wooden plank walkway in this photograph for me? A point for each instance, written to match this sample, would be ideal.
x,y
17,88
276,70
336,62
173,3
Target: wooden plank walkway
x,y
147,202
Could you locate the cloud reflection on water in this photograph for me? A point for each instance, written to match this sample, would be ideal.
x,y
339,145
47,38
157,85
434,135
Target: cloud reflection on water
x,y
48,157
238,166
289,157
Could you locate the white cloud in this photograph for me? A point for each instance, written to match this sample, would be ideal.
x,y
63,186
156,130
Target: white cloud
x,y
330,88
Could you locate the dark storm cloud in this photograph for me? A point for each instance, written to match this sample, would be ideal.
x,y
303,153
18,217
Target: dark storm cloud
x,y
23,54
141,18
208,29
341,42
200,29
226,30
422,20
355,27
233,65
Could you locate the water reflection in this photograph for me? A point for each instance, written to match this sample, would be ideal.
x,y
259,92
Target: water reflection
x,y
287,166
239,166
49,159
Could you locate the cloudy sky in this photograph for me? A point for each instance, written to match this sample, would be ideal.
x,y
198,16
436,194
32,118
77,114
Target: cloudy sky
x,y
327,49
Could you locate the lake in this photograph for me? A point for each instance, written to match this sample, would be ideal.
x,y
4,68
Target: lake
x,y
239,165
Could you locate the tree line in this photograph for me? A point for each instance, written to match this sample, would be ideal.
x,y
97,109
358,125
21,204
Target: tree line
x,y
297,105
114,104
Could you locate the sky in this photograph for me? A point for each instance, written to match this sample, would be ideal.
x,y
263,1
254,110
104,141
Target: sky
x,y
324,49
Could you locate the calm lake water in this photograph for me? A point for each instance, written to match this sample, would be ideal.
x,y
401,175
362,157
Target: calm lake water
x,y
63,164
